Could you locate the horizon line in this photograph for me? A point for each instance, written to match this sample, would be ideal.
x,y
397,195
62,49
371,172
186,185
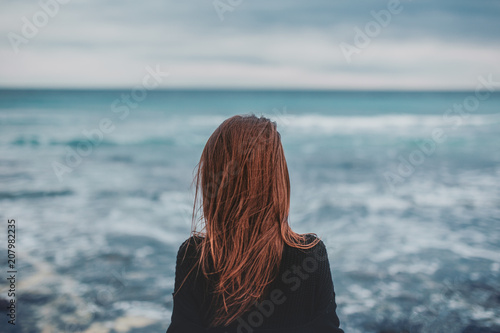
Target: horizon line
x,y
238,89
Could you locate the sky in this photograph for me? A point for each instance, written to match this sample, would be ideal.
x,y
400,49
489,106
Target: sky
x,y
257,44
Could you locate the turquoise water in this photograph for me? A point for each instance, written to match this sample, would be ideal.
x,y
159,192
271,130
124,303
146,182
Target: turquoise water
x,y
405,194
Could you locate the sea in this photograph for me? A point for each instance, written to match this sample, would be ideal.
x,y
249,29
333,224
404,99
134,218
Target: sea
x,y
403,188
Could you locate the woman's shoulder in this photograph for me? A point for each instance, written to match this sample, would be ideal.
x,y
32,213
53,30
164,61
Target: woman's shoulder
x,y
189,248
191,242
317,251
310,239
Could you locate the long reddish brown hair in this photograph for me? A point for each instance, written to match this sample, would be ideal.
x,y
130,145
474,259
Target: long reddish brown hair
x,y
245,188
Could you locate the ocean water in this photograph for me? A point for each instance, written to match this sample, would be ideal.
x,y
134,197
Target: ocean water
x,y
403,188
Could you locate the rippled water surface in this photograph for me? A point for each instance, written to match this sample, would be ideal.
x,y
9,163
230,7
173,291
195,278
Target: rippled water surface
x,y
405,194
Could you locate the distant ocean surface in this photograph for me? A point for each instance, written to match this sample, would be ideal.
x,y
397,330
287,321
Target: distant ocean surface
x,y
403,188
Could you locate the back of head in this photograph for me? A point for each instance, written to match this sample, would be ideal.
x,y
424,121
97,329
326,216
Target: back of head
x,y
245,193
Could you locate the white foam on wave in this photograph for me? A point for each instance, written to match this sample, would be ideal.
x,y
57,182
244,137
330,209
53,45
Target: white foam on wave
x,y
195,129
417,268
142,309
326,124
127,224
333,123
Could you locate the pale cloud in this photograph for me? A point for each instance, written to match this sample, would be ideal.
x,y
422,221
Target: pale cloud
x,y
259,45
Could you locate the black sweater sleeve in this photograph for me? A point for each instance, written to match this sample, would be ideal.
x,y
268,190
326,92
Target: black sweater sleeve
x,y
327,320
186,309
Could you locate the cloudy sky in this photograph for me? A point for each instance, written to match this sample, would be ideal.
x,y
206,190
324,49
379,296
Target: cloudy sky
x,y
325,44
